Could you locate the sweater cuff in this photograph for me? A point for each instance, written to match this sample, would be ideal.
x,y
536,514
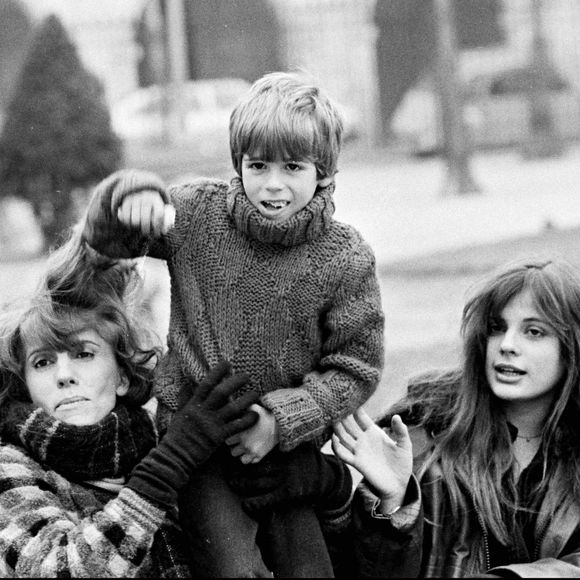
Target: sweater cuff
x,y
298,415
129,506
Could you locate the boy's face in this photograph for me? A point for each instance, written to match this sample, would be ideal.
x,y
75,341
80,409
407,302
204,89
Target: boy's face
x,y
279,189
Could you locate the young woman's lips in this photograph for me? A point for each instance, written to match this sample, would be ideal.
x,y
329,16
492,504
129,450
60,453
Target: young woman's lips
x,y
508,373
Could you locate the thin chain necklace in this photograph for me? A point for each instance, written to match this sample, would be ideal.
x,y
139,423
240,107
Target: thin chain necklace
x,y
528,438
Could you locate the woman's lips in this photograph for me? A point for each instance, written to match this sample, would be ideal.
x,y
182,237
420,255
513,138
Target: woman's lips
x,y
70,401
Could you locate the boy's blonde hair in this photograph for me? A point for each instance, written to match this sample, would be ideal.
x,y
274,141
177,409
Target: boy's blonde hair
x,y
285,115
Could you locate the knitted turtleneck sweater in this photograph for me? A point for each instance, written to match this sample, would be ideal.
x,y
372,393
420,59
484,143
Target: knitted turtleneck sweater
x,y
296,304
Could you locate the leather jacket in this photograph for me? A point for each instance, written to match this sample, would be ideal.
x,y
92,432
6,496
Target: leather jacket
x,y
422,540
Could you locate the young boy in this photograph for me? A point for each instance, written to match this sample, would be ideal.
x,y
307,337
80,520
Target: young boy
x,y
261,276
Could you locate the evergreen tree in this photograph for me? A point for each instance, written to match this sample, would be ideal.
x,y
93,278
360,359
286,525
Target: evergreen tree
x,y
57,138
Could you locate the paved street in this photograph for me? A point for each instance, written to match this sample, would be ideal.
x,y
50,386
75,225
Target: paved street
x,y
400,210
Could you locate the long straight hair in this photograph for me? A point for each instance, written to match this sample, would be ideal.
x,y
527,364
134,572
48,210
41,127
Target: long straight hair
x,y
473,445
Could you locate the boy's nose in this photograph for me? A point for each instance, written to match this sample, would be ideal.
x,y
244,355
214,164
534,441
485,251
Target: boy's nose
x,y
274,181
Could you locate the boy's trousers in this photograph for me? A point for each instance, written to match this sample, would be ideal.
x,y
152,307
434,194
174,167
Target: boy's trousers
x,y
225,542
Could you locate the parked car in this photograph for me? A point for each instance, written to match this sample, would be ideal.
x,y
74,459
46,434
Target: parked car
x,y
142,115
207,104
496,110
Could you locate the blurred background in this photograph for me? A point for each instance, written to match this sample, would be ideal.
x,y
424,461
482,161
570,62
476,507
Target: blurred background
x,y
462,125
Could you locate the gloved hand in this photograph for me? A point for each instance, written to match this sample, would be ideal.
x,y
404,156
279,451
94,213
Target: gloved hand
x,y
303,475
195,432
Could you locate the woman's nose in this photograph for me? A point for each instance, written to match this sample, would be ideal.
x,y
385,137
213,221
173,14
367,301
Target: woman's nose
x,y
509,343
64,382
64,375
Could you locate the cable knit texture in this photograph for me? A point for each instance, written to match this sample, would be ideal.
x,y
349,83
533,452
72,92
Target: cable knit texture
x,y
296,304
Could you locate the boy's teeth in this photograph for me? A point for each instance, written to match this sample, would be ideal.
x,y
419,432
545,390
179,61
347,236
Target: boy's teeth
x,y
275,204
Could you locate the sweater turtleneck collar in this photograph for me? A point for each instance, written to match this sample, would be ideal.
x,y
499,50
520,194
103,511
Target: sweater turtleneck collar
x,y
306,225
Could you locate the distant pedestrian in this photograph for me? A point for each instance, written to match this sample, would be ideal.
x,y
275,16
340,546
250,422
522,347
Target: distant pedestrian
x,y
264,277
495,444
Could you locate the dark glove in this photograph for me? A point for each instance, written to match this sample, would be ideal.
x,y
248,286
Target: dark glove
x,y
196,431
303,475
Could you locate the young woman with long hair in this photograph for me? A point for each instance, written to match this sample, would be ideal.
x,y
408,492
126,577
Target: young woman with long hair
x,y
477,471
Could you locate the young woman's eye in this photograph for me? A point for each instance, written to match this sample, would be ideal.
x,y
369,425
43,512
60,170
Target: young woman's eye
x,y
84,354
495,327
536,332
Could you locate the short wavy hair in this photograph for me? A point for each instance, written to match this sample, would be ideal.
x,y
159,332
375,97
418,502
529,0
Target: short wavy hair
x,y
286,115
80,290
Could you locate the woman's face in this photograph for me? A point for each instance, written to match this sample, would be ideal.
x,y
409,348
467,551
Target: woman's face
x,y
78,386
523,360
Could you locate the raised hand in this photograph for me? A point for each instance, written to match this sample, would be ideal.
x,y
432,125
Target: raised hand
x,y
386,462
147,212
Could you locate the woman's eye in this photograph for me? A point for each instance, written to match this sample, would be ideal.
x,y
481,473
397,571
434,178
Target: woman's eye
x,y
536,332
495,327
40,363
83,354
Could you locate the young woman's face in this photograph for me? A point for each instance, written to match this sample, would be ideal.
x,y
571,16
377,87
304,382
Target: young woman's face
x,y
78,386
523,360
279,189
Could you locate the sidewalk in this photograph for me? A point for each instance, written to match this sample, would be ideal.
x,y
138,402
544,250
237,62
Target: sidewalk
x,y
400,210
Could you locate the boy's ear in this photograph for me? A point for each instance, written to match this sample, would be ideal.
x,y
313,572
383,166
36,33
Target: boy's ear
x,y
324,182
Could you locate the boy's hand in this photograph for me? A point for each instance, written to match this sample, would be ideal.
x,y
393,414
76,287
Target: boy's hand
x,y
385,462
255,443
147,212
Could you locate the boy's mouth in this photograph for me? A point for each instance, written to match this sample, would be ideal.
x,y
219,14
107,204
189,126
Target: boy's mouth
x,y
275,205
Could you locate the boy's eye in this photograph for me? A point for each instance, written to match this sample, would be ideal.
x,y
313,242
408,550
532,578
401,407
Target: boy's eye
x,y
292,166
257,165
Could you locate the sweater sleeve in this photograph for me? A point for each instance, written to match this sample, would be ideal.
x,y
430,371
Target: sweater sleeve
x,y
44,532
100,226
352,357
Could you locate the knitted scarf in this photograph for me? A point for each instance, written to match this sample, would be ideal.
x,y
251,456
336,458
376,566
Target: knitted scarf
x,y
304,226
108,449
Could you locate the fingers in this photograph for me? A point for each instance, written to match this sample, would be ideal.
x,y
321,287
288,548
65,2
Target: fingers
x,y
400,433
217,373
168,219
215,376
235,408
344,437
352,427
363,419
147,212
240,424
233,440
